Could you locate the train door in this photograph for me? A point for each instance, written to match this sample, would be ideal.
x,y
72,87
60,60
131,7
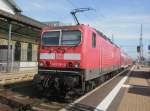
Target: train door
x,y
100,59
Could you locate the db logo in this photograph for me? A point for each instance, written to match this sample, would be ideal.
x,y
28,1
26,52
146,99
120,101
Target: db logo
x,y
59,56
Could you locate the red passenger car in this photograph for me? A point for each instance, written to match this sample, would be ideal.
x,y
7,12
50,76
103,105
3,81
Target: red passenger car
x,y
73,59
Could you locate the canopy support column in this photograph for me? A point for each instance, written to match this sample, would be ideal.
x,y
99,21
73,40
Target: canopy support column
x,y
9,52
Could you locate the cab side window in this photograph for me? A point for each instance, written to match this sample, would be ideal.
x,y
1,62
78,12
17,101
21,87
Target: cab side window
x,y
93,40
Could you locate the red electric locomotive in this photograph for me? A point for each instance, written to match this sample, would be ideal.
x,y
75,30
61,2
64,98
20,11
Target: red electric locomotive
x,y
73,59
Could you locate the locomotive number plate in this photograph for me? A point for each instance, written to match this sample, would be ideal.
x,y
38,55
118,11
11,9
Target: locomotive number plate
x,y
59,56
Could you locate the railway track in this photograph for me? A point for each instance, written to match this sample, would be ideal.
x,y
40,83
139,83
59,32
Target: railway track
x,y
25,97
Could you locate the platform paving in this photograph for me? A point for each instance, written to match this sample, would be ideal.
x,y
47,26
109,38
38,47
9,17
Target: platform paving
x,y
14,77
137,91
133,95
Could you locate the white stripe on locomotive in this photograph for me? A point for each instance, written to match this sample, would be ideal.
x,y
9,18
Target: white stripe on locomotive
x,y
47,55
67,56
72,56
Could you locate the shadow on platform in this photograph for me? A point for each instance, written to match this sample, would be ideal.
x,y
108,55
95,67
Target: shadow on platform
x,y
141,74
140,90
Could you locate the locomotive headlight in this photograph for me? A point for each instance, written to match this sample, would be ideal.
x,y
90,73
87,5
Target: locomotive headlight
x,y
41,64
77,65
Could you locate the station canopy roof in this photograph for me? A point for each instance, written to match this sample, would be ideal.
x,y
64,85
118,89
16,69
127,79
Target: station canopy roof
x,y
21,24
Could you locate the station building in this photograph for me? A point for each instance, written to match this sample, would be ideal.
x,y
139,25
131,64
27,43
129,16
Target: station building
x,y
19,38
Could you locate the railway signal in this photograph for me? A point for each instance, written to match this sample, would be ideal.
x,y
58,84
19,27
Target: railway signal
x,y
138,49
149,49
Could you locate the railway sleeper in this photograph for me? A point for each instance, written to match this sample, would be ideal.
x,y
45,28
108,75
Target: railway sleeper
x,y
15,104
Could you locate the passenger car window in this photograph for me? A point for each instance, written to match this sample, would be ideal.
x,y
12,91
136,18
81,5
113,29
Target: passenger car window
x,y
93,40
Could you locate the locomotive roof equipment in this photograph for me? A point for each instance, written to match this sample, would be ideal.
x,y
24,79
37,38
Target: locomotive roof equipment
x,y
73,13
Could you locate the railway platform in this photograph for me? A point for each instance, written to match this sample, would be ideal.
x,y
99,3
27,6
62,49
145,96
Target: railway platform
x,y
14,77
128,91
136,95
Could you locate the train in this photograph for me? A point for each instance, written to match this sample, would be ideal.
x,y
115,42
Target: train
x,y
74,59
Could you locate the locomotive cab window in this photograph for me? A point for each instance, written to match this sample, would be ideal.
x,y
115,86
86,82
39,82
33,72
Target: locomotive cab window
x,y
93,40
63,37
71,37
51,38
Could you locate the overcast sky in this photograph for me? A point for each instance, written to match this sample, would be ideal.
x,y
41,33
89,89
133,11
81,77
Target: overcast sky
x,y
122,18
